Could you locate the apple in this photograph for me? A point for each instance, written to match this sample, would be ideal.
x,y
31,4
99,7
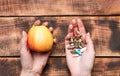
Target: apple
x,y
40,39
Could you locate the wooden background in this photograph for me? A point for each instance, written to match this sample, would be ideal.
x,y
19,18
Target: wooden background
x,y
100,17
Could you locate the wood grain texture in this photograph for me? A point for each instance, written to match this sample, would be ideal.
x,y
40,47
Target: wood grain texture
x,y
19,15
58,7
58,67
104,32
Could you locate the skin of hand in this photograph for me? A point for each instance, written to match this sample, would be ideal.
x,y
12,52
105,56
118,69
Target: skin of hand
x,y
79,65
32,62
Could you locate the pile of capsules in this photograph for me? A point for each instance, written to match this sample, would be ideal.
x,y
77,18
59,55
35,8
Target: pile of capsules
x,y
77,44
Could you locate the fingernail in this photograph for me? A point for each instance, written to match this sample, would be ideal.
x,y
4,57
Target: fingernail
x,y
78,19
37,22
23,33
89,34
51,29
55,40
74,21
68,35
71,26
45,23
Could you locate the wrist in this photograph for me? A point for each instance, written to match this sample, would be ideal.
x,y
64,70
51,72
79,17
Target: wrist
x,y
29,73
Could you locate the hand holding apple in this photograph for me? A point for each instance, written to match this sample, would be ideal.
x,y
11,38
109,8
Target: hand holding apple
x,y
33,62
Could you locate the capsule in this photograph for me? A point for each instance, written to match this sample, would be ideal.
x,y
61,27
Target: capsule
x,y
71,47
79,33
77,51
83,49
72,51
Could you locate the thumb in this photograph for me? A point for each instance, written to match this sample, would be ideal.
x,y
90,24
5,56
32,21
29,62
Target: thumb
x,y
24,42
90,46
26,57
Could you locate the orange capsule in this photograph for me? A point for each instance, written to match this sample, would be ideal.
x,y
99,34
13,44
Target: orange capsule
x,y
80,40
75,33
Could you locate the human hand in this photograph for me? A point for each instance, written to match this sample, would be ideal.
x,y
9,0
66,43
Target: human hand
x,y
32,62
79,65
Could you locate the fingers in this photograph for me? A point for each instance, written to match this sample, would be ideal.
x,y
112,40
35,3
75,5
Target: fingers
x,y
51,29
37,22
24,42
70,33
75,25
70,28
54,40
67,50
81,27
45,24
74,22
67,41
67,38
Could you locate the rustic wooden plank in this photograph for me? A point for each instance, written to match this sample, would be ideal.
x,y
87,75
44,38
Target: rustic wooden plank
x,y
104,32
58,67
9,42
58,7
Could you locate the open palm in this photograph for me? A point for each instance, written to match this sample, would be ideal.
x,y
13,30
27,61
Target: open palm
x,y
79,65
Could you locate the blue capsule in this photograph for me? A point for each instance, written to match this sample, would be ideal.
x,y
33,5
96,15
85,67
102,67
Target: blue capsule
x,y
77,51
